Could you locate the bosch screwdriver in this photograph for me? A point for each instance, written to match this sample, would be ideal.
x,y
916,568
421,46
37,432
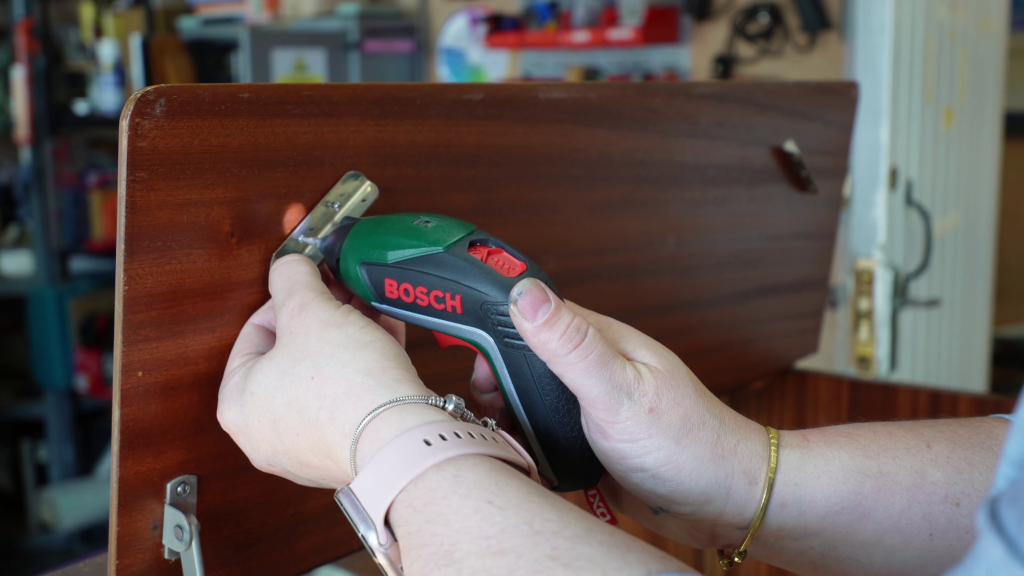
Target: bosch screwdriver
x,y
448,276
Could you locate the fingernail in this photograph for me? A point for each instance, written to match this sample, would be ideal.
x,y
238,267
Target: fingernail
x,y
531,300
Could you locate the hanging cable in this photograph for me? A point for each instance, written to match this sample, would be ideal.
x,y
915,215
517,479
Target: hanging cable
x,y
763,26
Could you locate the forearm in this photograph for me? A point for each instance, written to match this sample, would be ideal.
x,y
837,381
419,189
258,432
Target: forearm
x,y
476,515
879,498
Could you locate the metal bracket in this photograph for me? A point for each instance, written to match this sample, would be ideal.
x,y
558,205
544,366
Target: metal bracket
x,y
181,528
349,198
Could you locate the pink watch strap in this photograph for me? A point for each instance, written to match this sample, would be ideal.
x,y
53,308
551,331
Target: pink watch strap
x,y
401,460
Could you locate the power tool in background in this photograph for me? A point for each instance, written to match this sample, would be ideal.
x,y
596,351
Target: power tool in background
x,y
446,276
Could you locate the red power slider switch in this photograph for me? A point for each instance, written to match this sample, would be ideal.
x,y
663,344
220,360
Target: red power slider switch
x,y
497,258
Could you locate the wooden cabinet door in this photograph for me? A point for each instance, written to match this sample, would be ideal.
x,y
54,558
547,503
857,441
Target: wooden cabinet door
x,y
666,206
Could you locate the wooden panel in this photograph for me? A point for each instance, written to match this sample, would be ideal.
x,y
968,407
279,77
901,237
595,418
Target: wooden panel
x,y
661,205
797,400
1010,249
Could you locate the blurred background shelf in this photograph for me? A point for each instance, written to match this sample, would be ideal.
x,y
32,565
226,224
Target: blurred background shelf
x,y
55,202
16,288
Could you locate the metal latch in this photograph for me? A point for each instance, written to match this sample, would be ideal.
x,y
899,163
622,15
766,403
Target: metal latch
x,y
863,311
181,528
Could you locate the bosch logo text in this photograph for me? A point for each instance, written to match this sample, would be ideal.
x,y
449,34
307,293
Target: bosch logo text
x,y
422,296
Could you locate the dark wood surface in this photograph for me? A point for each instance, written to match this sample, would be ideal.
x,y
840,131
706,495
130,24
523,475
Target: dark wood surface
x,y
797,400
659,205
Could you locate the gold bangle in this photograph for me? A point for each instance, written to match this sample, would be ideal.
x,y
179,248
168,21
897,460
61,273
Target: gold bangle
x,y
729,559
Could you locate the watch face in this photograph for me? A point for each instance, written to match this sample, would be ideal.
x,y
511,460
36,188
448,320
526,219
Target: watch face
x,y
387,556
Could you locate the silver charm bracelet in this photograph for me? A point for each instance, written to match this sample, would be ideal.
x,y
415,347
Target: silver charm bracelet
x,y
452,404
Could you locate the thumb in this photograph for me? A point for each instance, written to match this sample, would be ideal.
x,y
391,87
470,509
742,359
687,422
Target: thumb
x,y
571,346
297,289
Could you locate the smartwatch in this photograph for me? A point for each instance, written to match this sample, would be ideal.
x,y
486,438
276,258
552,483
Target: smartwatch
x,y
367,500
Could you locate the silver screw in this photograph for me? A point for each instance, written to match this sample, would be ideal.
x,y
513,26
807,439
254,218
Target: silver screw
x,y
332,205
179,533
183,489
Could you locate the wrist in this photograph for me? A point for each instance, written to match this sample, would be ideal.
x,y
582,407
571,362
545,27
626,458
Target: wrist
x,y
747,477
382,429
390,424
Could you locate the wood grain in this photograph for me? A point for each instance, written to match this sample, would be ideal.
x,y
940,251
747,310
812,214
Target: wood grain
x,y
797,400
1009,309
659,205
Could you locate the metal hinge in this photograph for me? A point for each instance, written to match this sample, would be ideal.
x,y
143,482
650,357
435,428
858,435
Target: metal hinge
x,y
863,318
181,528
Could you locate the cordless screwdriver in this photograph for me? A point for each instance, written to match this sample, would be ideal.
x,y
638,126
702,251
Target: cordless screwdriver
x,y
449,277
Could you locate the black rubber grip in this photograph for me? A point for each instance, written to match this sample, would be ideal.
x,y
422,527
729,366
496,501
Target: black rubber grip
x,y
568,452
551,409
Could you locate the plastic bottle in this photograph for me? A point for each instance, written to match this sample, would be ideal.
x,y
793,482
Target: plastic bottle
x,y
109,93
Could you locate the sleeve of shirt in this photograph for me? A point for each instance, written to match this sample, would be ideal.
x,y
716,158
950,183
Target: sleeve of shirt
x,y
999,547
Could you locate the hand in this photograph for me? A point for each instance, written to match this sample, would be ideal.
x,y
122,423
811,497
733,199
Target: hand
x,y
683,463
306,368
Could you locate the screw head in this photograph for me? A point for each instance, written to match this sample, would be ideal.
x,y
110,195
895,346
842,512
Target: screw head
x,y
179,533
182,489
